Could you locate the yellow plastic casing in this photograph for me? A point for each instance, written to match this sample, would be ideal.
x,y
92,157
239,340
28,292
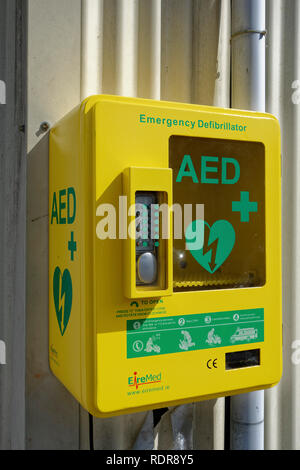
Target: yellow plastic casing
x,y
104,149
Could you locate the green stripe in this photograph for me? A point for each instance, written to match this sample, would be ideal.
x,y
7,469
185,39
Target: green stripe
x,y
156,336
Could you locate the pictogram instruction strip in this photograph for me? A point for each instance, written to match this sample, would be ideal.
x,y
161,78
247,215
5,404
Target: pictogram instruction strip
x,y
156,336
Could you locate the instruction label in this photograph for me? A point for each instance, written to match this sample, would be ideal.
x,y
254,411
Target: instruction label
x,y
157,336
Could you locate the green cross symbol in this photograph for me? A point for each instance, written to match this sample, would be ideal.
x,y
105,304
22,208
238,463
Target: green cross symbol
x,y
72,246
244,206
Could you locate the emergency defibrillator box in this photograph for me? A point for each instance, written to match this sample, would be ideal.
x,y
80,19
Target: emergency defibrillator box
x,y
164,253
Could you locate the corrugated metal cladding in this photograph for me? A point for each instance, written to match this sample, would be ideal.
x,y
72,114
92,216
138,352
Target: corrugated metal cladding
x,y
166,49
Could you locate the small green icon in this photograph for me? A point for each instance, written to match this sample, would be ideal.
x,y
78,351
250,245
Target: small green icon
x,y
72,246
145,243
244,206
156,243
62,296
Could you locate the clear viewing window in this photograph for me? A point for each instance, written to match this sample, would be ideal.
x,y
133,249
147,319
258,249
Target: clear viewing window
x,y
223,246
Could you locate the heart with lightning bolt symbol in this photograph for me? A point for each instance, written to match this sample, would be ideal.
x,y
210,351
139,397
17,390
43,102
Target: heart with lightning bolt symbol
x,y
62,296
210,246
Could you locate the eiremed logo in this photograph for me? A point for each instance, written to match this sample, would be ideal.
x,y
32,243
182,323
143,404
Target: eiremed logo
x,y
137,380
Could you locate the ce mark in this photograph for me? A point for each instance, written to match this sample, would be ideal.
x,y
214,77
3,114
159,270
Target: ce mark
x,y
212,364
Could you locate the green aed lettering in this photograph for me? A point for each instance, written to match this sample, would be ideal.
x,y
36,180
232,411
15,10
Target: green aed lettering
x,y
64,207
209,168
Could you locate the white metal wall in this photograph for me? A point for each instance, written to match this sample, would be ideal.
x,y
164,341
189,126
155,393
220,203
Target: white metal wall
x,y
283,100
164,49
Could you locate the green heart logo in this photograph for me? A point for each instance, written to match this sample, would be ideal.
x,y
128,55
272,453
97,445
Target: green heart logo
x,y
62,294
220,243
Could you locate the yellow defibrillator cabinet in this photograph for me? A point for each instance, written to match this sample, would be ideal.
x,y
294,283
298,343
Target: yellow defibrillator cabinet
x,y
164,253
